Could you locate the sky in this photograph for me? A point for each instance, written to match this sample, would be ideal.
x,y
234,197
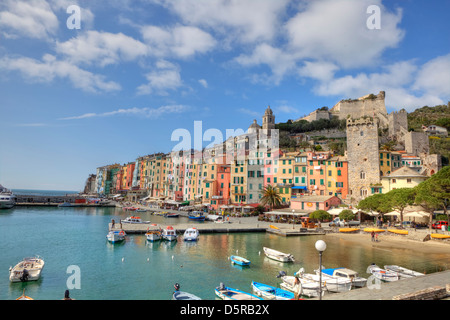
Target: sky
x,y
85,84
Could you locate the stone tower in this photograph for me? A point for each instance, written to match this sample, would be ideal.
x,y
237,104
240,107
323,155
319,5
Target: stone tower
x,y
363,157
268,120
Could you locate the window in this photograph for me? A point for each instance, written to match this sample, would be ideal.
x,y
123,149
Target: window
x,y
408,180
362,175
394,181
339,173
361,133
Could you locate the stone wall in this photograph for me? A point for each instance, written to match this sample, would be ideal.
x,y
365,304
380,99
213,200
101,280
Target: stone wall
x,y
363,157
368,105
432,293
398,120
416,143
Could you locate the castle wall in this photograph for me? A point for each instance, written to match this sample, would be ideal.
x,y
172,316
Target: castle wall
x,y
397,120
416,143
364,106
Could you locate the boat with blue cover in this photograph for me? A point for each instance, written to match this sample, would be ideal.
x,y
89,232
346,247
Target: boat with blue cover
x,y
270,292
353,276
239,261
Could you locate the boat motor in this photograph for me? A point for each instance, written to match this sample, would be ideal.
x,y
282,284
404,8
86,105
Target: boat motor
x,y
25,275
281,274
177,287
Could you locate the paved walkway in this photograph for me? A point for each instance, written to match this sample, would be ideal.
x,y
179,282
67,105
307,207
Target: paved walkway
x,y
387,291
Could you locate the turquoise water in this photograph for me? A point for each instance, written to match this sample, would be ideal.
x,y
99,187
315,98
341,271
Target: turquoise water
x,y
140,270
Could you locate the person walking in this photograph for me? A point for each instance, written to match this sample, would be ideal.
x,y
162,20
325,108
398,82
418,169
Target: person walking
x,y
373,236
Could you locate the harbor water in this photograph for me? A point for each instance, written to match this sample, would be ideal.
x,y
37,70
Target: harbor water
x,y
72,242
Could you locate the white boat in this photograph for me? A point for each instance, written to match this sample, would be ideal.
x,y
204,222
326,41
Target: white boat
x,y
357,281
134,219
382,274
29,269
302,286
181,295
169,234
24,297
116,236
272,293
154,235
333,284
7,198
227,293
402,272
277,255
191,234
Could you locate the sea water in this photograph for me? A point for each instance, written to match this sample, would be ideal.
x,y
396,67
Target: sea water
x,y
72,242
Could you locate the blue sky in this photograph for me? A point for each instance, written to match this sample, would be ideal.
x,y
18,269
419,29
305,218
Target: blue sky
x,y
72,100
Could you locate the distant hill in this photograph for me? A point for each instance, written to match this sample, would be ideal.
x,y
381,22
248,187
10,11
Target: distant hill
x,y
438,115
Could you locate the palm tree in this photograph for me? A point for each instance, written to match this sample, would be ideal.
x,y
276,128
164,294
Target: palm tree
x,y
270,197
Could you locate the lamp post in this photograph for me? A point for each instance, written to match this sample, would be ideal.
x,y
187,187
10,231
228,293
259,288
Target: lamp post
x,y
293,219
320,246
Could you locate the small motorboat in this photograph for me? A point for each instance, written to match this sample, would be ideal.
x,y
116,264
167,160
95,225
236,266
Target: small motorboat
x,y
382,274
134,219
239,261
116,236
332,284
169,234
24,297
191,234
227,293
301,286
197,216
130,208
270,292
277,255
29,269
171,215
402,272
357,281
181,295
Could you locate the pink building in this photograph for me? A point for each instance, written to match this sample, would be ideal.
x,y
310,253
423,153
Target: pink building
x,y
313,203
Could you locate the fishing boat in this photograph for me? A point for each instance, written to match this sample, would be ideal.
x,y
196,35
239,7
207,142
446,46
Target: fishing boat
x,y
116,236
29,269
24,297
402,272
134,219
171,215
153,235
301,286
191,234
181,295
7,198
382,274
197,216
277,255
270,292
353,276
169,234
227,293
332,284
239,261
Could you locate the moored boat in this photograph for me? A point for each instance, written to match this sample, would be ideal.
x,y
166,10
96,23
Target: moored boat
x,y
239,261
7,198
134,219
29,269
24,297
171,215
227,293
301,286
402,272
332,284
277,255
271,292
382,274
169,234
181,295
353,276
197,216
153,235
116,236
191,234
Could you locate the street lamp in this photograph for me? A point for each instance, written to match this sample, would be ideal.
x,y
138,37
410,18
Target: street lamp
x,y
293,219
320,246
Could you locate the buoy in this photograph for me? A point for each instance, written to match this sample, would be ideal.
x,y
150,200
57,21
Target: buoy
x,y
172,257
148,259
123,259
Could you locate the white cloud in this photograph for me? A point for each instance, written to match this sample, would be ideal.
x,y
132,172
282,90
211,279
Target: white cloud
x,y
336,31
203,82
102,48
434,77
31,19
178,41
141,112
243,21
50,68
166,76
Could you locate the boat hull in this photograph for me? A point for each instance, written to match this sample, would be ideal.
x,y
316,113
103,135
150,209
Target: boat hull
x,y
115,236
153,236
277,255
226,293
33,267
382,274
239,261
270,292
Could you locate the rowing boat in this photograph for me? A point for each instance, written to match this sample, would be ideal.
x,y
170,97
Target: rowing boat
x,y
227,293
277,255
439,236
239,261
270,292
348,229
373,230
396,231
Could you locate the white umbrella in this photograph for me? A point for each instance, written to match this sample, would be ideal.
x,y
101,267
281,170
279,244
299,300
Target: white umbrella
x,y
420,214
392,213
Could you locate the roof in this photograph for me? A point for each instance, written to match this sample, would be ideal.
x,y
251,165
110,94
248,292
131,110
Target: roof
x,y
313,198
405,172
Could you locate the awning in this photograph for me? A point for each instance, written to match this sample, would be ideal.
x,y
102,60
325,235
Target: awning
x,y
301,187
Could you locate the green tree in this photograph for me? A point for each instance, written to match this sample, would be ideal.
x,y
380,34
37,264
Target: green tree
x,y
399,199
376,202
270,197
434,193
320,215
346,215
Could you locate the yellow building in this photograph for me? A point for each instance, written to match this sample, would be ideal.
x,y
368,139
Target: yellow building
x,y
283,176
404,177
385,162
238,181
